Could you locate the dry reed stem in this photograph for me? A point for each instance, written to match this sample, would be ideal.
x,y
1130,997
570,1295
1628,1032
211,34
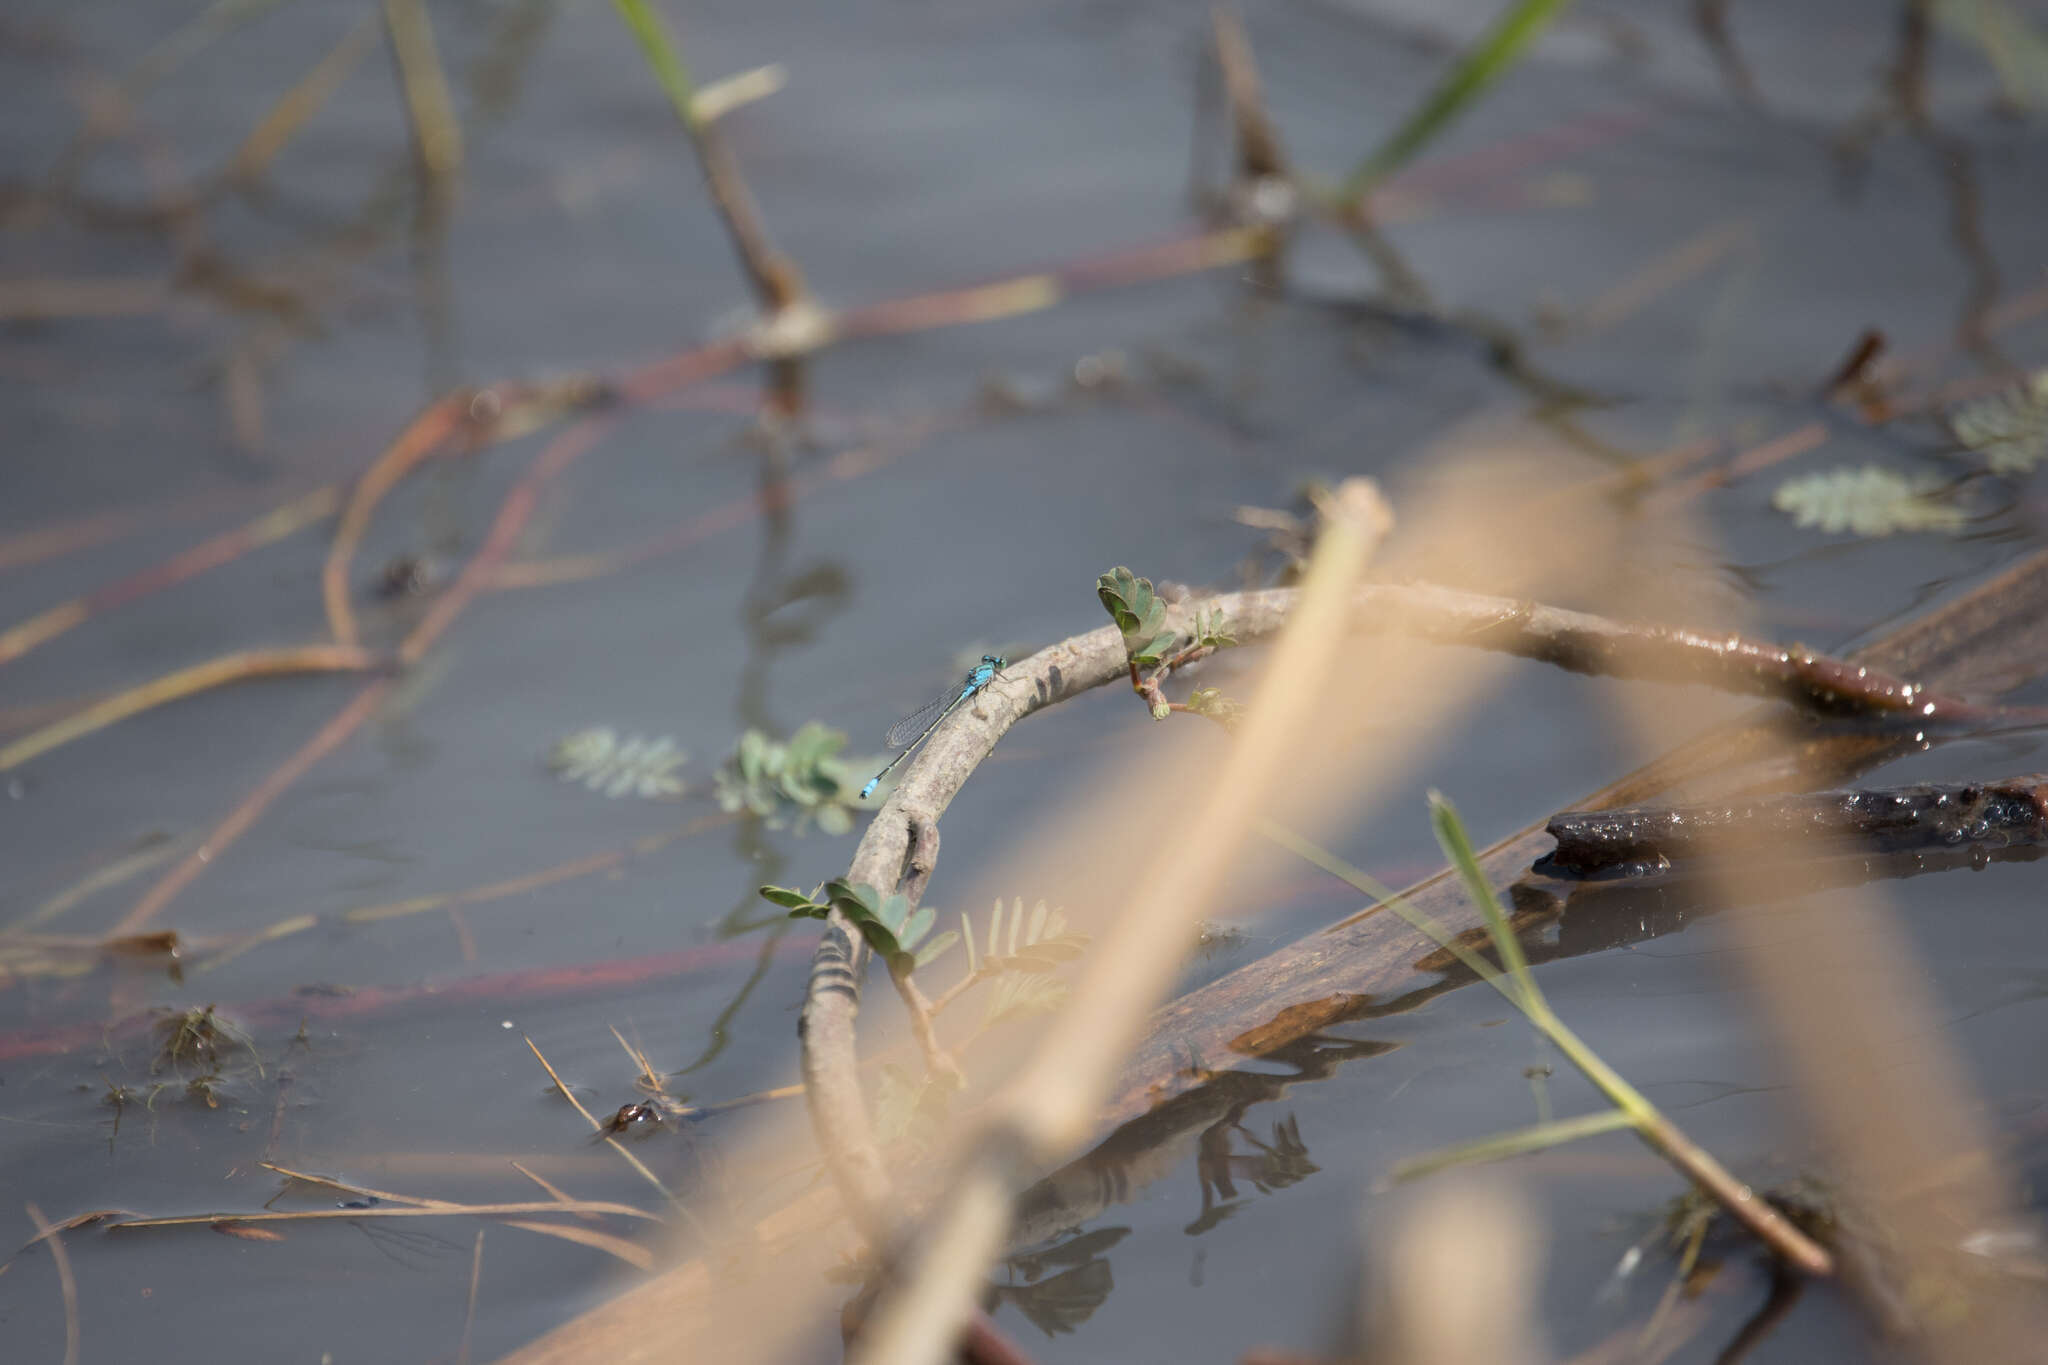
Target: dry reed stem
x,y
649,1078
272,526
438,1210
1474,1232
229,668
718,98
511,520
323,742
553,1190
55,298
776,496
1790,445
513,514
32,547
423,437
476,1274
1258,142
362,1191
67,1285
430,112
100,879
1050,1106
1853,1021
635,1162
1031,293
1668,270
632,1253
306,97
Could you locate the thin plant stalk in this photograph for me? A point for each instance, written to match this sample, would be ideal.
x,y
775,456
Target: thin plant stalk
x,y
775,278
250,663
1485,62
1520,989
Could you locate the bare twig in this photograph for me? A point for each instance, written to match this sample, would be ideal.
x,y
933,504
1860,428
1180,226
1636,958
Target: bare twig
x,y
437,137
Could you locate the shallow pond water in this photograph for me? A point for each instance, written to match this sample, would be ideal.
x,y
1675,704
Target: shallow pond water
x,y
1692,249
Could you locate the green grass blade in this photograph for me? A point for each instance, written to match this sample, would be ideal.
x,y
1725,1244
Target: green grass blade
x,y
1392,900
1500,1146
1457,847
662,58
1498,49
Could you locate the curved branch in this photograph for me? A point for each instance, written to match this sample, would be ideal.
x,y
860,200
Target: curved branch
x,y
901,844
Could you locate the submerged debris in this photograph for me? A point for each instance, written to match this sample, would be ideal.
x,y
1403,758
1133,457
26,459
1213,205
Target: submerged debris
x,y
199,1037
637,1119
1981,817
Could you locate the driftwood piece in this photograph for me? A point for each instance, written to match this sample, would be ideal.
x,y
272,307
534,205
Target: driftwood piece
x,y
1988,640
900,845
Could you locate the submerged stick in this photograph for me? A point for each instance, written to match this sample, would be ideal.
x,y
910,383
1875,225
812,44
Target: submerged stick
x,y
272,526
186,682
333,1003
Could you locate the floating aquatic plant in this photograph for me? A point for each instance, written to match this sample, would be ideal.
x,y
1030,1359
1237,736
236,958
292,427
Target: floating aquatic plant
x,y
601,761
794,782
1870,501
200,1038
2010,429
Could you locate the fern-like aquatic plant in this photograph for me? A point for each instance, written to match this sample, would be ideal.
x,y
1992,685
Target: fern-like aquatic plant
x,y
601,761
2010,430
1870,501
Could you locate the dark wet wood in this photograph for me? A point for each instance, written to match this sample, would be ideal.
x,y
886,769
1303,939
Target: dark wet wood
x,y
1972,817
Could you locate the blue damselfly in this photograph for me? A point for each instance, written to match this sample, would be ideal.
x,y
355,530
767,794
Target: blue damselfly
x,y
908,733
